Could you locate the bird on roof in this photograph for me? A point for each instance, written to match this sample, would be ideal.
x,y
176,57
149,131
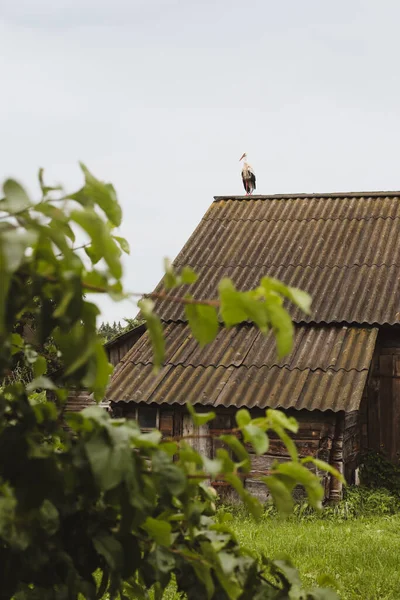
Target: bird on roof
x,y
248,176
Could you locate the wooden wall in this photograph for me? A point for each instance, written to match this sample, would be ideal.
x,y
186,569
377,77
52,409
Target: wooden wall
x,y
117,348
380,407
320,435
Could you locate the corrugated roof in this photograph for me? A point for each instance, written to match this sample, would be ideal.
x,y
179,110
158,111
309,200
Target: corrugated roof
x,y
313,347
343,249
326,369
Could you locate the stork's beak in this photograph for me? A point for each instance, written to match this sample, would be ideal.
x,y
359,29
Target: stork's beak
x,y
242,157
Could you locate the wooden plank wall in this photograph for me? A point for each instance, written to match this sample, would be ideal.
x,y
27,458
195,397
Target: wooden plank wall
x,y
320,435
116,349
380,410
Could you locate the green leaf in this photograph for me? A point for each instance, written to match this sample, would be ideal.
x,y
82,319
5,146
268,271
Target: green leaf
x,y
94,253
239,450
64,228
301,298
280,493
298,297
203,321
65,301
137,590
278,418
13,246
324,466
123,244
170,277
45,188
102,243
40,366
300,474
103,372
256,437
199,418
103,195
110,460
212,466
231,309
17,199
159,530
203,573
155,330
173,479
243,417
188,276
290,573
111,549
49,517
282,326
40,383
165,560
252,503
289,443
17,343
236,307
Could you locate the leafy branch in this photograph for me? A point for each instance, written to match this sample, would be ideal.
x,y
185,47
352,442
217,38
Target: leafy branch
x,y
102,496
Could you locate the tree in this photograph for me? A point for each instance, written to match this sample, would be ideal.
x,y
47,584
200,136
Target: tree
x,y
105,497
108,331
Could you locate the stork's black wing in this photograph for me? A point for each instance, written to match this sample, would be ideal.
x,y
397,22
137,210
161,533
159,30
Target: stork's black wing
x,y
244,182
253,180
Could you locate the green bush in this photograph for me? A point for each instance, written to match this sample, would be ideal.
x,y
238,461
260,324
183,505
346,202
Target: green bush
x,y
377,471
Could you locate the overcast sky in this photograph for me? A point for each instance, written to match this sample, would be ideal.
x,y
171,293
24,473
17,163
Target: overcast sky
x,y
162,97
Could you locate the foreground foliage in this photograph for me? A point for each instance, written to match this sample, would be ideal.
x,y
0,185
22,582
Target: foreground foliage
x,y
104,496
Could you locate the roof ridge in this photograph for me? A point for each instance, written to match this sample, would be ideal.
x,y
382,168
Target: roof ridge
x,y
375,194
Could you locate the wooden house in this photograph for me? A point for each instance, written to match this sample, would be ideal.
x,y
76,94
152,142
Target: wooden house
x,y
342,378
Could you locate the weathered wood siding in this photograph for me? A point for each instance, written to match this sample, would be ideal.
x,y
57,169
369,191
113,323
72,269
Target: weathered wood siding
x,y
320,435
380,409
116,349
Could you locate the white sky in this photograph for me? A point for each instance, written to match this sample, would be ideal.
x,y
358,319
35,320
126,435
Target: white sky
x,y
162,97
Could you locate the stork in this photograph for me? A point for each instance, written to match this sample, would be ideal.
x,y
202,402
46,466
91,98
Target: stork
x,y
248,177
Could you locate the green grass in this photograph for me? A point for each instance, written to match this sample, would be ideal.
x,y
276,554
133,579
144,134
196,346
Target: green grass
x,y
362,556
356,544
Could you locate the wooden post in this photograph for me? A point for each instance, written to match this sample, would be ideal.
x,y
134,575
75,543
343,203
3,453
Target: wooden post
x,y
336,487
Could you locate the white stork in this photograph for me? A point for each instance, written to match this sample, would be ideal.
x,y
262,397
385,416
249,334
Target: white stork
x,y
248,176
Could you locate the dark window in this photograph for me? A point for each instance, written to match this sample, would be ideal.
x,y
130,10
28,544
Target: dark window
x,y
147,417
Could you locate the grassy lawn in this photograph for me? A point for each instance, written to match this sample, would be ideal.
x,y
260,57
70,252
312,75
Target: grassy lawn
x,y
362,556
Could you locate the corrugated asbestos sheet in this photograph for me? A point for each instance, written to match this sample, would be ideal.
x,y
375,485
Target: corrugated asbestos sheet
x,y
344,250
326,369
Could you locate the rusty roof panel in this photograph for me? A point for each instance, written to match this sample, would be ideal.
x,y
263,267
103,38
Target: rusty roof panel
x,y
344,249
327,369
